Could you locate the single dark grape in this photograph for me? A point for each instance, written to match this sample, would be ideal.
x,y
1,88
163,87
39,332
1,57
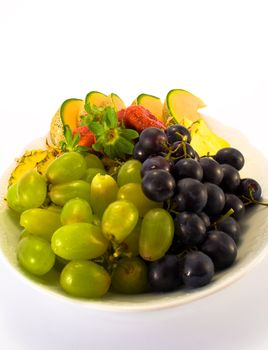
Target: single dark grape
x,y
205,218
232,201
187,167
178,132
139,153
220,247
182,150
198,269
231,178
230,156
158,185
164,275
216,199
191,195
189,228
153,140
231,227
250,189
212,171
154,163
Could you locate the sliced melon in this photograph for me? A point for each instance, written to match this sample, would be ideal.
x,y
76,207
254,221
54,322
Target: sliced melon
x,y
98,99
152,103
205,141
181,105
117,102
56,129
71,111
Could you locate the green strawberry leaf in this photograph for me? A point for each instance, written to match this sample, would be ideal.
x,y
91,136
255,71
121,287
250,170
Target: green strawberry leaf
x,y
124,145
129,134
67,134
75,140
95,127
110,118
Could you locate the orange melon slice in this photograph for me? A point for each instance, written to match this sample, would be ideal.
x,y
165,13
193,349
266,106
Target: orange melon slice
x,y
152,103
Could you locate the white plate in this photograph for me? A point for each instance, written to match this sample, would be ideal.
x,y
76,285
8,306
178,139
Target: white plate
x,y
253,247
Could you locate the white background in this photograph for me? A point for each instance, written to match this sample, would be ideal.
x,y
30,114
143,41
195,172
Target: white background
x,y
54,50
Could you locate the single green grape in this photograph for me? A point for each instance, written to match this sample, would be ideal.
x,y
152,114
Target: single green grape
x,y
91,172
133,193
130,171
157,231
13,200
61,194
35,255
32,190
103,192
93,161
118,220
68,167
40,222
76,210
130,276
79,241
86,279
131,243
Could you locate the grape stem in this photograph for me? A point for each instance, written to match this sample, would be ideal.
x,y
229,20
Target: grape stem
x,y
224,217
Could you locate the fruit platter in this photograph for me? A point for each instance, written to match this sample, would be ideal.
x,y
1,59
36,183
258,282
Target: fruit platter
x,y
135,204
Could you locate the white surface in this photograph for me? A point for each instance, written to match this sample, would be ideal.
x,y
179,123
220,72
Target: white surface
x,y
53,50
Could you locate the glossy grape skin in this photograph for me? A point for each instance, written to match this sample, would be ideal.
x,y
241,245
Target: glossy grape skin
x,y
32,190
13,200
189,228
154,163
131,243
92,161
198,270
62,193
129,172
86,279
232,201
178,132
164,275
79,241
133,193
35,255
212,170
139,153
205,218
103,192
157,231
119,219
130,276
158,185
216,199
91,173
221,248
232,156
76,210
231,227
191,195
231,178
153,140
40,222
68,167
187,167
250,189
182,150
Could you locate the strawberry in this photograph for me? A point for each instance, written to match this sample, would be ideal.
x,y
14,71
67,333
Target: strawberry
x,y
139,118
87,137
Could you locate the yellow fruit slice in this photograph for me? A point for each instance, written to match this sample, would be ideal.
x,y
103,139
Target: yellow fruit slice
x,y
98,99
205,141
152,103
181,105
71,111
117,102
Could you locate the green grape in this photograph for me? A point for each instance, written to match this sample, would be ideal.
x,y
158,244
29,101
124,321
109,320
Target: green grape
x,y
130,276
130,171
61,194
93,161
96,220
40,222
157,231
68,167
13,200
118,220
103,192
91,172
76,210
55,208
35,255
32,190
79,241
25,233
85,279
131,243
133,193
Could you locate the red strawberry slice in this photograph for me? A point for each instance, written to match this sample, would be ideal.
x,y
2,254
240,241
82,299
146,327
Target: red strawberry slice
x,y
87,138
